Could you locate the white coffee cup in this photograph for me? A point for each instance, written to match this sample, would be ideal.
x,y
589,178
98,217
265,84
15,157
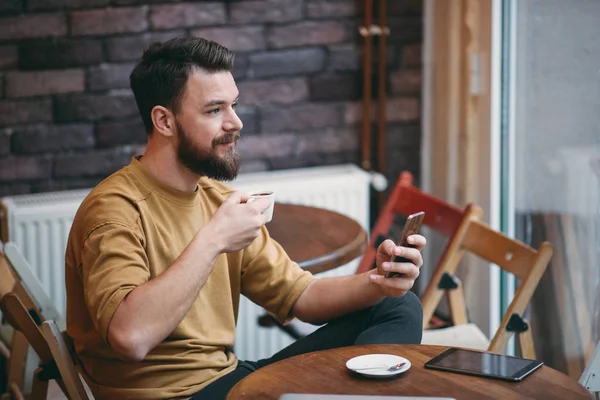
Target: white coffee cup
x,y
264,194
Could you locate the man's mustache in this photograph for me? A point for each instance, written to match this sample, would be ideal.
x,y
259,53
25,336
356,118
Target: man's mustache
x,y
227,138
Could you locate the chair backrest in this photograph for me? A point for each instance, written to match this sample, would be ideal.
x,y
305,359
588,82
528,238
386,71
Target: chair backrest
x,y
406,199
54,362
526,263
61,346
17,356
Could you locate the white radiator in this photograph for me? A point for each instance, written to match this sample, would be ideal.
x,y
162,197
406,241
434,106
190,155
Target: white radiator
x,y
39,225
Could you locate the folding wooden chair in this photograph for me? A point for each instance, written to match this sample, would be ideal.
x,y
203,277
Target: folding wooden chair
x,y
513,256
16,277
54,365
63,351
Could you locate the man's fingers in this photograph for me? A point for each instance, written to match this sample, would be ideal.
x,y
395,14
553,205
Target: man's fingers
x,y
387,247
417,241
260,204
407,270
236,198
395,283
414,255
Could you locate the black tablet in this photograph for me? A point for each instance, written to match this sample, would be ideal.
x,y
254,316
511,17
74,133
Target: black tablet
x,y
488,365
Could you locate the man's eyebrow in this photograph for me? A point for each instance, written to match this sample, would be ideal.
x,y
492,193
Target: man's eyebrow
x,y
219,102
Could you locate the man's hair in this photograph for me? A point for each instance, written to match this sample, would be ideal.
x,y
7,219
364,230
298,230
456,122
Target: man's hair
x,y
161,75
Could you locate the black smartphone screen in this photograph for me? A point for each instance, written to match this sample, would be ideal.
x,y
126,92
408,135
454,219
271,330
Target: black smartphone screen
x,y
483,364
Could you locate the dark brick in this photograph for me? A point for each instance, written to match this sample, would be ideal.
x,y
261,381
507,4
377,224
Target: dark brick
x,y
247,166
33,26
300,117
402,159
245,38
307,33
59,53
345,57
399,109
15,189
249,117
2,92
98,163
109,76
23,168
329,140
66,184
406,81
142,2
108,21
187,15
45,5
261,146
405,7
335,87
411,55
240,68
403,109
5,141
286,62
402,135
40,83
314,160
14,112
258,11
52,138
282,91
9,57
129,48
332,8
8,7
405,30
113,133
92,107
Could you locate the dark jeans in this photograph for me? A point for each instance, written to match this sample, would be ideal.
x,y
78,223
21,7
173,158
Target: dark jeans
x,y
391,321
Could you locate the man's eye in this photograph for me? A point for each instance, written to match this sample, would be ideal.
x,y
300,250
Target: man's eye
x,y
234,105
213,111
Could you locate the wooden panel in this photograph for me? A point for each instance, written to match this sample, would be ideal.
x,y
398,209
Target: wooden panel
x,y
513,256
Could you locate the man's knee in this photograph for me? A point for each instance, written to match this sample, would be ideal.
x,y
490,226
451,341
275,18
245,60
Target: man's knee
x,y
407,310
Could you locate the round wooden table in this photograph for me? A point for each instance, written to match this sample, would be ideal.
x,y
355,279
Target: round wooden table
x,y
317,239
325,372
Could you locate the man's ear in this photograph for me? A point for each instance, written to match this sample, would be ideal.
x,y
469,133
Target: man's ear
x,y
163,120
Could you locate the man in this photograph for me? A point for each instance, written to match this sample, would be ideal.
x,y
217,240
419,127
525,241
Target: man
x,y
160,251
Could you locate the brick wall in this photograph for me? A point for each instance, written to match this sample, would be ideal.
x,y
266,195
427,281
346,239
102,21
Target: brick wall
x,y
68,118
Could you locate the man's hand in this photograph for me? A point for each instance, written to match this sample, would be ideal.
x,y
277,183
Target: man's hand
x,y
236,224
398,285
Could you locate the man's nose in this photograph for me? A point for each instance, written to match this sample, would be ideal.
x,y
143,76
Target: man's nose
x,y
233,123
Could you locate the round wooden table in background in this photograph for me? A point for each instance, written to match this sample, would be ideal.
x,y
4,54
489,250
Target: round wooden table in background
x,y
317,239
325,372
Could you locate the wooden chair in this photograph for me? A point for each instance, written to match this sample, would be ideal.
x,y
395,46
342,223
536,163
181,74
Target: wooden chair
x,y
18,344
16,277
513,256
53,363
63,350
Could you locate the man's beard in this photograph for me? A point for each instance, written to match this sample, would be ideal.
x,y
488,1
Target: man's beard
x,y
208,163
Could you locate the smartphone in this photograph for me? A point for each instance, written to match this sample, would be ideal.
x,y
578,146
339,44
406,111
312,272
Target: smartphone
x,y
412,226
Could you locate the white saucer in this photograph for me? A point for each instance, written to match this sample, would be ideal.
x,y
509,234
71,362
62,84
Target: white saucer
x,y
376,360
